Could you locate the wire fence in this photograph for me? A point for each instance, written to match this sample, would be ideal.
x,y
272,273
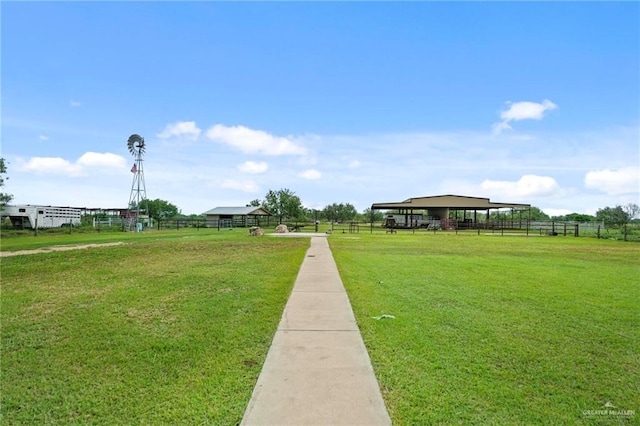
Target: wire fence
x,y
627,232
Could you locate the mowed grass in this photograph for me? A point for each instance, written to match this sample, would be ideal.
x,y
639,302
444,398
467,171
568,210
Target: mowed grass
x,y
166,329
498,330
26,240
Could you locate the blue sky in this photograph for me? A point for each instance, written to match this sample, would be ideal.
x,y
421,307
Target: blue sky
x,y
354,102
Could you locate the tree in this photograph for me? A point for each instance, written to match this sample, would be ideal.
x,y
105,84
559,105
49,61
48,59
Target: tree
x,y
340,212
283,203
310,214
612,216
632,210
158,209
254,203
575,217
330,212
535,213
4,198
378,216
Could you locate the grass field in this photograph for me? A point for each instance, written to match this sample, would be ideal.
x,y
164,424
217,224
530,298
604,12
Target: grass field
x,y
172,327
26,240
498,330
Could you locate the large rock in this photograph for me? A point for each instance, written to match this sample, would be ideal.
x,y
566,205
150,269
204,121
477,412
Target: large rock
x,y
282,229
256,231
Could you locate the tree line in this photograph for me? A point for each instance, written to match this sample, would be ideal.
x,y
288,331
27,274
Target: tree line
x,y
285,205
610,216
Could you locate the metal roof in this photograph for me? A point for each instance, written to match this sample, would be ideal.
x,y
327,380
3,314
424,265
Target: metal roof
x,y
238,211
448,201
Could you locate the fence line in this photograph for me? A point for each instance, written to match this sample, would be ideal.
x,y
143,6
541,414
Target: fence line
x,y
627,232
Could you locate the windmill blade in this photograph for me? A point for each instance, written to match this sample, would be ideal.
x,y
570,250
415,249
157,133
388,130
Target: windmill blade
x,y
135,143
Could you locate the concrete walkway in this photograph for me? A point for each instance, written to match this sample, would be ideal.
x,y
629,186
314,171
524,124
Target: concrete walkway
x,y
317,371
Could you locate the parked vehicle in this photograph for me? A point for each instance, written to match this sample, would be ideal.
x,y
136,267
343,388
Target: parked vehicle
x,y
38,217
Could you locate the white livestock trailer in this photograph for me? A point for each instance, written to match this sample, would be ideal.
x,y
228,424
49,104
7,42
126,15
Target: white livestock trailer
x,y
36,217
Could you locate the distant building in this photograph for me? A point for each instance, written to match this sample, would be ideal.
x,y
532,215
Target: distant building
x,y
446,211
236,217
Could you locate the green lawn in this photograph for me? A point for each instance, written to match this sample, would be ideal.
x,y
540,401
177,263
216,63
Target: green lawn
x,y
170,328
498,330
26,240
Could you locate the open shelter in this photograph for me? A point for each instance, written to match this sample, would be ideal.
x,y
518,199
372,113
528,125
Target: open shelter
x,y
442,211
233,217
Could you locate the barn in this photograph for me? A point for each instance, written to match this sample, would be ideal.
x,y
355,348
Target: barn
x,y
443,211
236,217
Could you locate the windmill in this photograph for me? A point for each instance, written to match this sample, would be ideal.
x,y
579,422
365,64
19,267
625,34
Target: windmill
x,y
136,147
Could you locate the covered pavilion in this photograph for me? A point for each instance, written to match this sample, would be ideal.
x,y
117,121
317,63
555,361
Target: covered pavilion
x,y
426,211
231,217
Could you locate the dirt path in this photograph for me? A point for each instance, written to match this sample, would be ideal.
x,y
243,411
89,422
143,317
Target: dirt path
x,y
57,248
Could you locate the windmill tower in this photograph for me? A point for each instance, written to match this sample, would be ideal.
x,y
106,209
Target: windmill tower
x,y
138,191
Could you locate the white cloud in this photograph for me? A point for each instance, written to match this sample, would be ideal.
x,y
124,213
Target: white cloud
x,y
107,160
614,182
522,111
74,104
52,165
497,128
246,186
254,141
354,164
43,138
528,186
527,110
89,162
253,167
187,129
310,174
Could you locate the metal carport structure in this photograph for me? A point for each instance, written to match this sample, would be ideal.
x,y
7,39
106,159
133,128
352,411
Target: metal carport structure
x,y
440,206
236,216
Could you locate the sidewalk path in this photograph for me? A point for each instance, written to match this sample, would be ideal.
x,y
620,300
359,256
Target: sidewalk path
x,y
317,371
